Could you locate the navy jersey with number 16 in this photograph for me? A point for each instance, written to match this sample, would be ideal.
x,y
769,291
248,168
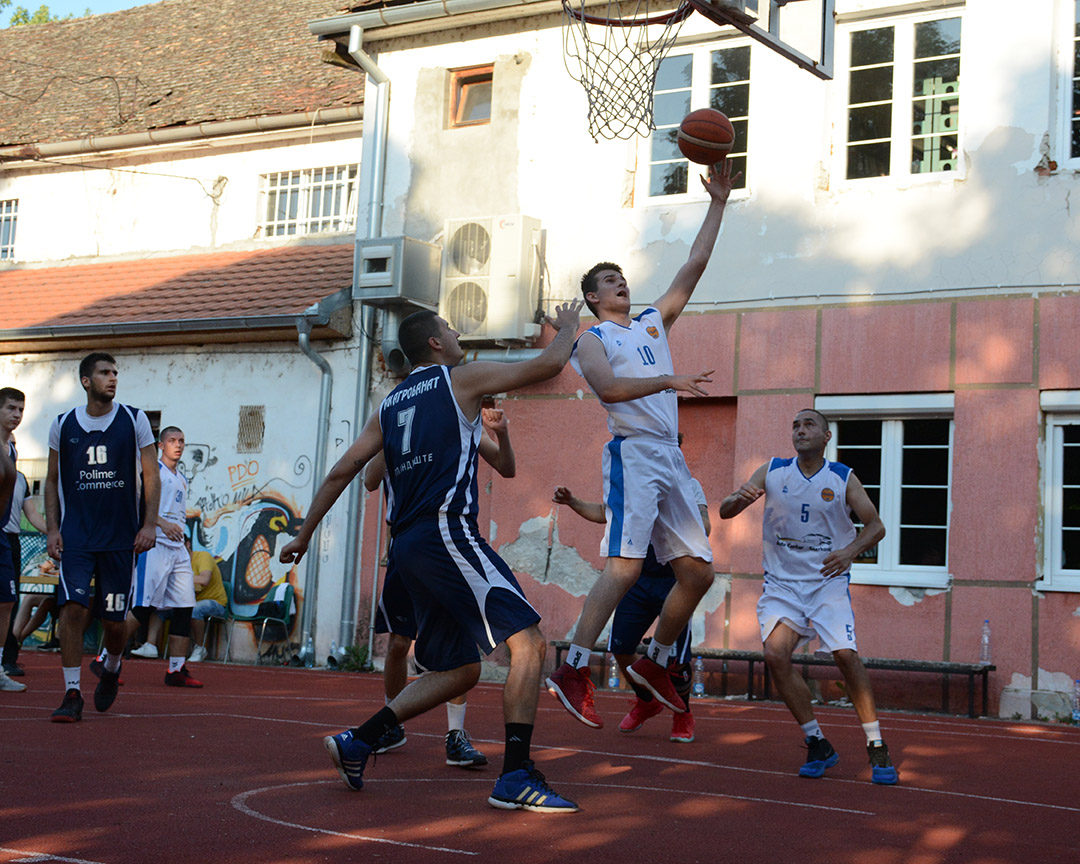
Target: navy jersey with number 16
x,y
431,449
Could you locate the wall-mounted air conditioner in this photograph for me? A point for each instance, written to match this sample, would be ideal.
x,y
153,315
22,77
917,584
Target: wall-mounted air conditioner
x,y
491,277
397,272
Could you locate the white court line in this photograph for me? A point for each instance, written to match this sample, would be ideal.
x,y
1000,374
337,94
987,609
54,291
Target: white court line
x,y
43,856
240,803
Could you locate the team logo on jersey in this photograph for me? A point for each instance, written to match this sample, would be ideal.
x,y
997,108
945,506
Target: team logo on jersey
x,y
827,494
652,331
784,490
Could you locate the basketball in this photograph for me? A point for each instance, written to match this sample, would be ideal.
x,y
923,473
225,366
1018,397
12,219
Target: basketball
x,y
706,136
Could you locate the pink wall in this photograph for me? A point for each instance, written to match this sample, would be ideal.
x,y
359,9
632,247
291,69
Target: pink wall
x,y
770,363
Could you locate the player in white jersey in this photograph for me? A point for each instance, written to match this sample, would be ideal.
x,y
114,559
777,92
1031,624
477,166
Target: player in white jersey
x,y
647,490
809,543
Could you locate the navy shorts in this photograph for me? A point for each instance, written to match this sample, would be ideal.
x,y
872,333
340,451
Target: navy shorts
x,y
394,614
641,606
111,573
463,593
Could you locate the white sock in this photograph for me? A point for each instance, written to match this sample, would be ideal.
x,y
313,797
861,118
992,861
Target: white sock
x,y
455,716
104,653
176,664
873,731
660,654
812,729
111,661
578,656
72,677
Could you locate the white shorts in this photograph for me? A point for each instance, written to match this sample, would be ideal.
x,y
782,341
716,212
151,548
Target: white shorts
x,y
648,497
813,609
163,578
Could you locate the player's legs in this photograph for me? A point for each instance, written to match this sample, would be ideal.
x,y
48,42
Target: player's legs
x,y
396,665
694,577
615,580
779,646
433,688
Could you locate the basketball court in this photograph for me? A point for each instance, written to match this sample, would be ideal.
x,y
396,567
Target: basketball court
x,y
238,771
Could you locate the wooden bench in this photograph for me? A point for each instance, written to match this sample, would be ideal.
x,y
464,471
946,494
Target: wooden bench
x,y
939,667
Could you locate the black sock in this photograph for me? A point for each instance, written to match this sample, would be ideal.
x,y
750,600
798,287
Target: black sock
x,y
371,731
682,679
641,692
518,742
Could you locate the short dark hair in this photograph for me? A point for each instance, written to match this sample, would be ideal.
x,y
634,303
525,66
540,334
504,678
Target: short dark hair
x,y
90,361
824,419
10,394
167,430
414,332
588,281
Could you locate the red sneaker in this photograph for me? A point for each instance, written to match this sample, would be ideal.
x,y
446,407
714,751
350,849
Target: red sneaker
x,y
655,679
639,713
682,728
181,679
574,688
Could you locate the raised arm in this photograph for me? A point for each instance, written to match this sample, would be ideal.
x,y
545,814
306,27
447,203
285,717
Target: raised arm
x,y
718,184
745,495
473,381
498,453
839,561
597,371
591,510
360,452
151,479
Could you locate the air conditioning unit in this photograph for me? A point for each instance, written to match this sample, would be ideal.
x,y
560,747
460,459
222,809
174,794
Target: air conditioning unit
x,y
396,272
491,278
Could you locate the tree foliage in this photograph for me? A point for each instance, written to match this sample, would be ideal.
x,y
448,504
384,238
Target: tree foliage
x,y
20,15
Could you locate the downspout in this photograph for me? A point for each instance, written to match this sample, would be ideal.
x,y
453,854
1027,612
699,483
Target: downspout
x,y
318,470
376,134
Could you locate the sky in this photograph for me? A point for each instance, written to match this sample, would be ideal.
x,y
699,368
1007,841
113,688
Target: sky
x,y
75,7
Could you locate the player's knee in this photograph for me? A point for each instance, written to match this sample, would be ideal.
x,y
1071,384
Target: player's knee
x,y
180,625
527,643
141,614
777,657
847,659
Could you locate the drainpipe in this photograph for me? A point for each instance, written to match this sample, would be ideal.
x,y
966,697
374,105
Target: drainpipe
x,y
376,134
318,470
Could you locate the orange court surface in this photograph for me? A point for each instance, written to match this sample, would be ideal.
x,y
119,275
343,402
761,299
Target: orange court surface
x,y
237,771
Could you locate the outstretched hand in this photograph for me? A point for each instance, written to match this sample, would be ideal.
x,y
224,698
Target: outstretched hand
x,y
495,420
720,181
562,495
691,383
293,551
567,315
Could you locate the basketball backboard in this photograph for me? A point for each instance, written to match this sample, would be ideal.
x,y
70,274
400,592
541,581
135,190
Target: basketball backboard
x,y
800,30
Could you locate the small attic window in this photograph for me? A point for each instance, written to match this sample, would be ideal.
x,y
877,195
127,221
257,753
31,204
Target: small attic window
x,y
470,95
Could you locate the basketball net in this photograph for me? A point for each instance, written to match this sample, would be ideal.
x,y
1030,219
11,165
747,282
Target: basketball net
x,y
618,48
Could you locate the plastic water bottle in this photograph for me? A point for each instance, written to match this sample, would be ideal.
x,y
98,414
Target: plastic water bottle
x,y
613,674
984,644
309,653
698,687
1076,702
331,661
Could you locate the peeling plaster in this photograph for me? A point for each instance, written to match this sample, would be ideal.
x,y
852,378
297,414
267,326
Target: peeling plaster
x,y
911,596
538,552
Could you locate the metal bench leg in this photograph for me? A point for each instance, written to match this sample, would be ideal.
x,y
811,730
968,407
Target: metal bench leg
x,y
971,694
986,683
750,682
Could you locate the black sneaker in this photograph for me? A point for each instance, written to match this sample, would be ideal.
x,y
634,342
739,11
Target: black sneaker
x,y
14,670
97,667
460,752
881,767
70,709
391,739
819,756
105,692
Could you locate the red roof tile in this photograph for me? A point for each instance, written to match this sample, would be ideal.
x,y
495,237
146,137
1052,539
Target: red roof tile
x,y
272,282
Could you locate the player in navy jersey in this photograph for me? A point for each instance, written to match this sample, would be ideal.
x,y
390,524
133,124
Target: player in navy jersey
x,y
627,364
101,505
463,594
809,543
9,591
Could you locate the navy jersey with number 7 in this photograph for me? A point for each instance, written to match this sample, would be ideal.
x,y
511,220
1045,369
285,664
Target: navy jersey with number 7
x,y
431,449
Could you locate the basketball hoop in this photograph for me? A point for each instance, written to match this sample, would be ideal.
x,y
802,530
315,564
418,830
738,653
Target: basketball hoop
x,y
618,51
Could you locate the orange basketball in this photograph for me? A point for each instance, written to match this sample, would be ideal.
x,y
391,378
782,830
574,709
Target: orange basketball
x,y
706,136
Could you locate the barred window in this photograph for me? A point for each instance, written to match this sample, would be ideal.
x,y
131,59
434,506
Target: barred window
x,y
308,201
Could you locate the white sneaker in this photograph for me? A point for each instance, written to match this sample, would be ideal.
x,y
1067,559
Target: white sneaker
x,y
197,654
7,684
145,650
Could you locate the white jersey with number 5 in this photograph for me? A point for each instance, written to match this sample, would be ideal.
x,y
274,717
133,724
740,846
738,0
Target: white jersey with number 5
x,y
638,351
806,518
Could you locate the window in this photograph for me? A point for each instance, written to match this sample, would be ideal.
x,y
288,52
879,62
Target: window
x,y
900,447
1061,492
470,95
1073,89
9,211
310,201
903,106
718,79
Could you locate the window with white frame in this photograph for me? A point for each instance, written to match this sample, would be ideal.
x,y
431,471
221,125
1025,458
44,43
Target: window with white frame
x,y
900,448
703,78
9,212
309,201
1074,98
903,101
1061,492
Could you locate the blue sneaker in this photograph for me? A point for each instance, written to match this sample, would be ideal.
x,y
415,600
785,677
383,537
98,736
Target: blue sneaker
x,y
391,739
820,755
460,752
881,767
350,756
526,789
